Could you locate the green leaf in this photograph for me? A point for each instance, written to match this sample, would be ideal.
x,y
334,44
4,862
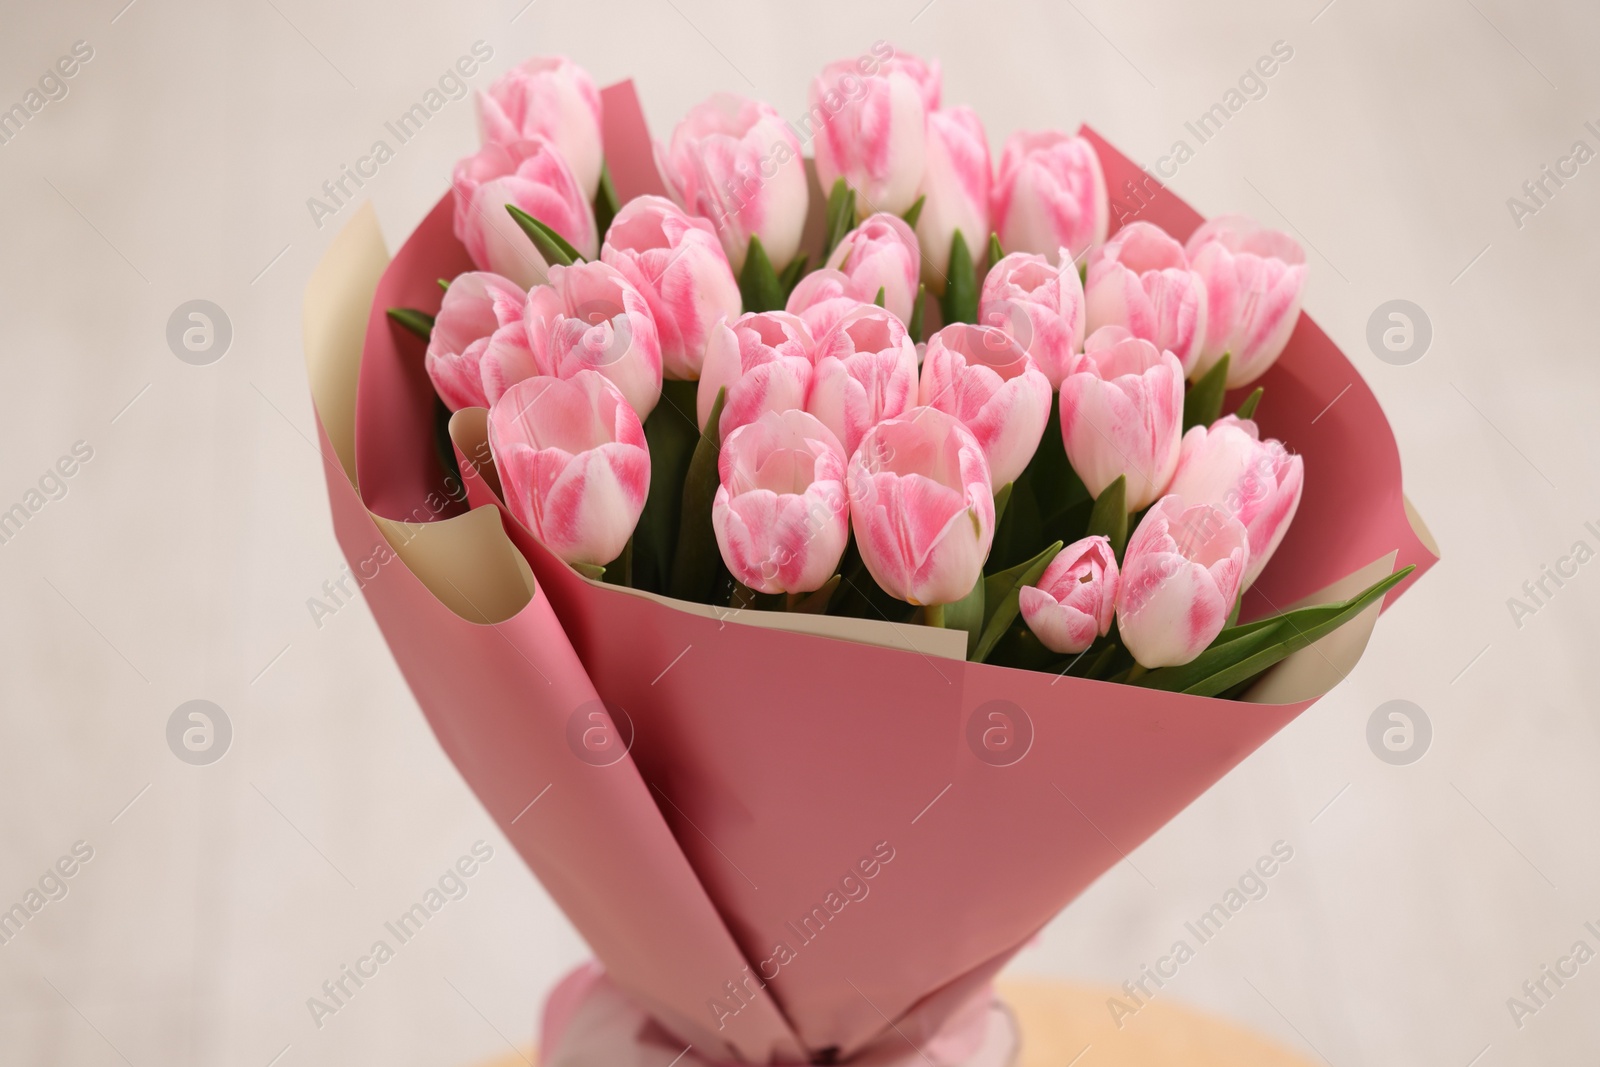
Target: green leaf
x,y
1000,595
591,571
758,282
792,274
841,216
606,204
418,322
882,292
551,245
1240,653
961,287
671,435
914,327
1001,500
967,614
914,212
1109,519
996,254
444,283
695,562
1202,404
815,603
1248,408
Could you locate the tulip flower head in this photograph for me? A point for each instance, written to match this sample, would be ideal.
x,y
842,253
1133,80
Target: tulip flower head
x,y
1141,279
1181,573
881,253
1050,194
1254,279
864,371
763,359
476,305
1122,415
872,130
591,318
553,98
573,463
922,506
1041,305
955,183
982,376
780,515
1075,598
533,176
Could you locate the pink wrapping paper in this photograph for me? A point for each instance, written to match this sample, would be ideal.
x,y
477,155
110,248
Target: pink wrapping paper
x,y
768,769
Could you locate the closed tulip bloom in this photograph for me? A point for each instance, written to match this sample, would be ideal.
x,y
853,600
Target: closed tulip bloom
x,y
591,318
871,130
983,377
550,97
1122,414
1141,279
1181,574
955,181
763,359
1050,194
533,176
1039,304
1258,482
736,162
573,463
864,371
922,506
823,297
881,253
475,306
925,72
1254,278
676,261
1075,598
781,515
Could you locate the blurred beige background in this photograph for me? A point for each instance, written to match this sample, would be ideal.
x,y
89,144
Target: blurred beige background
x,y
175,563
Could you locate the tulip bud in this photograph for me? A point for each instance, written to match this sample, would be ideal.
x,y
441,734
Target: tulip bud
x,y
590,318
864,371
872,130
676,261
1122,415
1180,577
922,506
763,359
532,176
1258,482
1254,279
1050,194
983,377
1074,599
476,305
881,253
1040,305
573,463
550,97
955,182
781,515
1141,279
823,297
736,162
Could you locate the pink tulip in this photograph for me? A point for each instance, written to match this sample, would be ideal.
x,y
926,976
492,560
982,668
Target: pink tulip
x,y
823,297
881,253
922,506
550,97
1075,597
1180,577
736,162
475,306
872,130
590,318
955,182
1050,194
781,514
533,176
1258,482
1122,414
676,261
573,462
1141,279
983,377
1040,305
763,359
926,73
864,371
1254,280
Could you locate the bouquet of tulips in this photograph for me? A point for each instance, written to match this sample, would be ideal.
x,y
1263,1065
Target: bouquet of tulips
x,y
823,569
1027,445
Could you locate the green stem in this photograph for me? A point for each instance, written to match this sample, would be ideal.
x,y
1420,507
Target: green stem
x,y
933,615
